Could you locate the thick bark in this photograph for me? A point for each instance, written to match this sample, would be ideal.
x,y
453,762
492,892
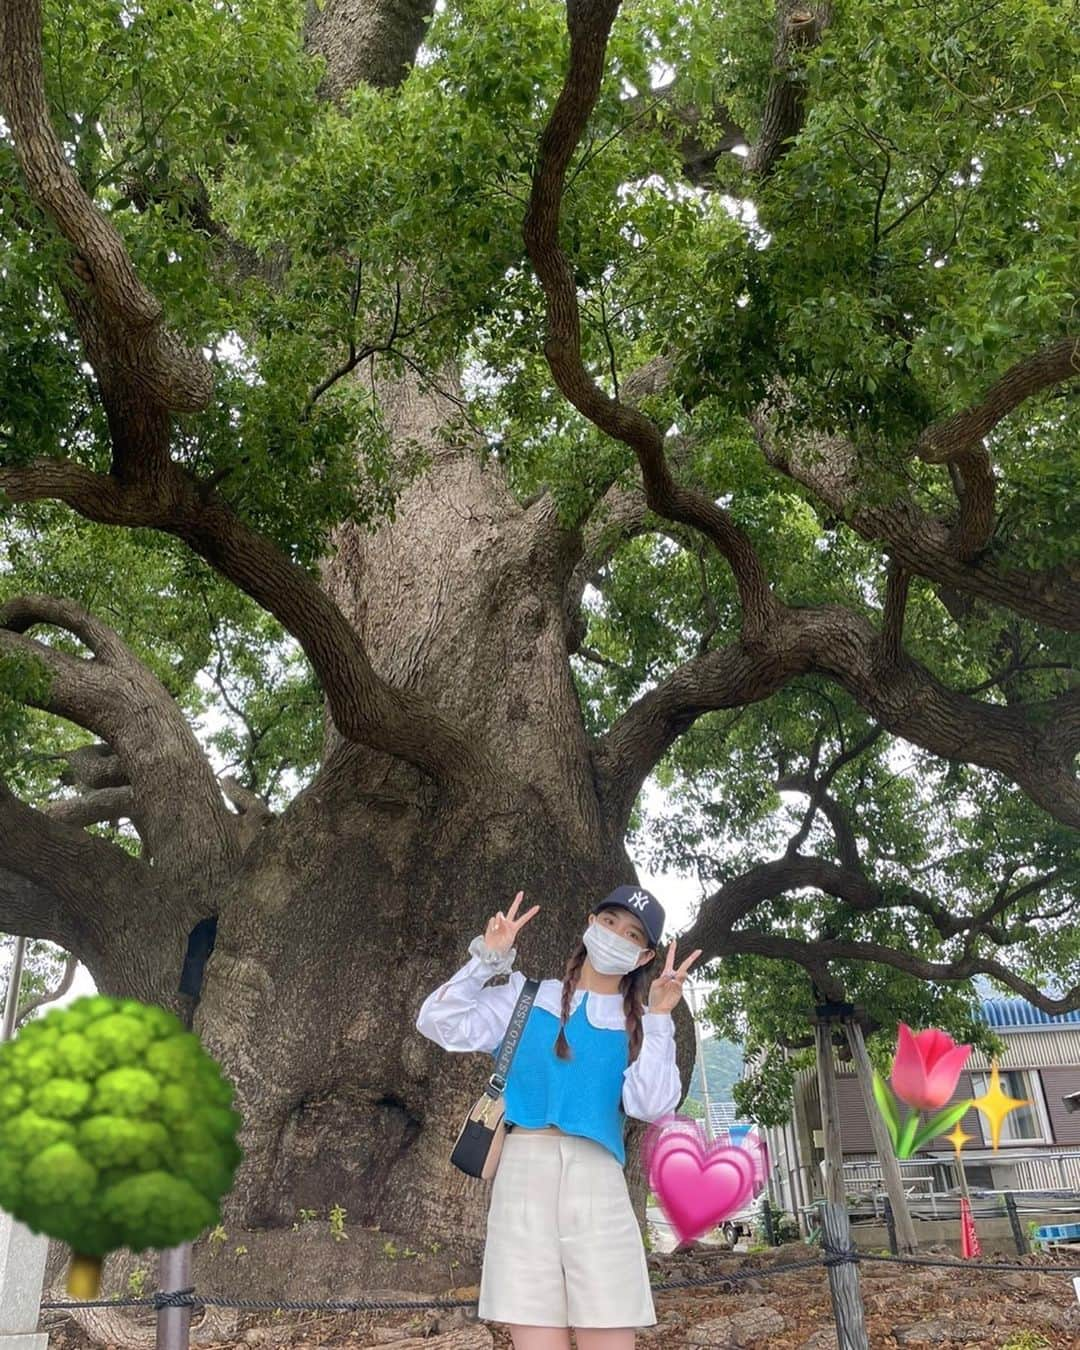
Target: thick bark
x,y
365,41
349,911
798,27
128,925
168,790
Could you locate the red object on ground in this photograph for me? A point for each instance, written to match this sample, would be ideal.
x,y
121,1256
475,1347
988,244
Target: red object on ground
x,y
969,1237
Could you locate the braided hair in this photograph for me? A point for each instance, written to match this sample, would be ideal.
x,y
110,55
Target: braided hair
x,y
632,987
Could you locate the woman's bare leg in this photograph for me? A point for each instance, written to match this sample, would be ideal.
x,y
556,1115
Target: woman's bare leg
x,y
604,1338
542,1338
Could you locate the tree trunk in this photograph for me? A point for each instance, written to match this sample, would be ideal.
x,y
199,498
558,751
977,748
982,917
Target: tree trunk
x,y
348,909
890,1168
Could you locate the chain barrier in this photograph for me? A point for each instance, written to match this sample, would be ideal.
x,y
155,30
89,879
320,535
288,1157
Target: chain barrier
x,y
832,1256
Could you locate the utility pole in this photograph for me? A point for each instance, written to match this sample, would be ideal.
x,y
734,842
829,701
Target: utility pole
x,y
11,1006
692,993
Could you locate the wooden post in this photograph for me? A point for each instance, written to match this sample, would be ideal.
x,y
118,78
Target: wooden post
x,y
890,1168
843,1280
174,1263
830,1114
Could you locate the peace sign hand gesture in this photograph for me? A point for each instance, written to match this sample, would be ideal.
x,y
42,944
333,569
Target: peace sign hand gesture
x,y
502,929
666,990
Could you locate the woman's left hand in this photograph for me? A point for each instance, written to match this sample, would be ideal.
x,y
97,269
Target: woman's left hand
x,y
666,990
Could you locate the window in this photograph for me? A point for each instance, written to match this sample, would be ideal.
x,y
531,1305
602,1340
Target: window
x,y
1025,1125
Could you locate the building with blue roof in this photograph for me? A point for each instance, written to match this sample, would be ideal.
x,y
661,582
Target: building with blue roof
x,y
1007,1013
1039,1148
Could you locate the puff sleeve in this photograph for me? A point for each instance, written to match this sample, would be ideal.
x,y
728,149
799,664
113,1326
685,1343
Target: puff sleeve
x,y
651,1085
462,1014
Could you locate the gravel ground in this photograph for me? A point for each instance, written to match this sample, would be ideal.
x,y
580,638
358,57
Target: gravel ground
x,y
1033,1308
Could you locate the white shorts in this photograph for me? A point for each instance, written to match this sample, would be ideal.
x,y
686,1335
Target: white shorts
x,y
563,1246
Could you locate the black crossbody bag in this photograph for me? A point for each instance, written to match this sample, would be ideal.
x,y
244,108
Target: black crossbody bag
x,y
479,1145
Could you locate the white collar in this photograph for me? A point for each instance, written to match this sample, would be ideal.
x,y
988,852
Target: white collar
x,y
604,1011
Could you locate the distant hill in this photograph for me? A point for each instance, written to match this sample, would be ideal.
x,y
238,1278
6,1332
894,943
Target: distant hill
x,y
723,1069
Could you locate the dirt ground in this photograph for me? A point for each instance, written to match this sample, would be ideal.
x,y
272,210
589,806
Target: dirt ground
x,y
1034,1308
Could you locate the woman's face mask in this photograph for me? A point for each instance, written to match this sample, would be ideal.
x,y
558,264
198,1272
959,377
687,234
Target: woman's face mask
x,y
609,953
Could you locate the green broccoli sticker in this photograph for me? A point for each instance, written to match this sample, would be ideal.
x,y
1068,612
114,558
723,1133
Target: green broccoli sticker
x,y
116,1130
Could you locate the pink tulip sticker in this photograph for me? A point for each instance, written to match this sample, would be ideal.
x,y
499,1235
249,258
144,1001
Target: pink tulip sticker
x,y
925,1072
698,1186
927,1067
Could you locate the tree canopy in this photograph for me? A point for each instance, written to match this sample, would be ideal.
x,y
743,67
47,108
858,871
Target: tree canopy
x,y
772,306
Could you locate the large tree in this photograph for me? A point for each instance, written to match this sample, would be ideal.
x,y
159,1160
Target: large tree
x,y
541,389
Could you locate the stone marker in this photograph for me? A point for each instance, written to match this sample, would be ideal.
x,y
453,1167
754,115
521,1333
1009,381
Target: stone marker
x,y
22,1270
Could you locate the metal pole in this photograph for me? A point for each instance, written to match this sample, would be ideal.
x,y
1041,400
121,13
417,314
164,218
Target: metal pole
x,y
767,1217
890,1225
1019,1236
174,1274
692,992
11,1004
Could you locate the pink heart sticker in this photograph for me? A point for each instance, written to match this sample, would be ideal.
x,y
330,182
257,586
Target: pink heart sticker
x,y
698,1187
664,1128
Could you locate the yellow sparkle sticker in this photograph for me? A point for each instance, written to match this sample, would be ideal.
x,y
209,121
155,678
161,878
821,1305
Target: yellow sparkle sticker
x,y
996,1105
958,1138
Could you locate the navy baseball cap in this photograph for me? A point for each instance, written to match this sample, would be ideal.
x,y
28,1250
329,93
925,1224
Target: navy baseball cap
x,y
642,904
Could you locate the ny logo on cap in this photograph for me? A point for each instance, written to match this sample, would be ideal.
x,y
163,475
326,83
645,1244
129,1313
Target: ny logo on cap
x,y
639,900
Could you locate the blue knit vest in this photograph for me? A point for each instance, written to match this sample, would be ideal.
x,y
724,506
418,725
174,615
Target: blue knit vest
x,y
582,1094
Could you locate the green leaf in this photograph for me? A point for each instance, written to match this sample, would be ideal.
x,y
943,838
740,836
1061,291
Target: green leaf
x,y
888,1107
907,1138
941,1123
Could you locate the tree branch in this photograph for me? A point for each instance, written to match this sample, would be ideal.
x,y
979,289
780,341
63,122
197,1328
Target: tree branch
x,y
124,319
799,27
92,808
813,955
730,677
67,979
892,622
253,813
956,436
1034,746
364,707
145,376
589,22
92,766
169,788
62,884
924,546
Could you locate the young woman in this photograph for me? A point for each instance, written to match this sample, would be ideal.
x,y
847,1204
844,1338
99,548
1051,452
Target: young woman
x,y
563,1246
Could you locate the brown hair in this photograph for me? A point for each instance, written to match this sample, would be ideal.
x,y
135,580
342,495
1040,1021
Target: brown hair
x,y
632,987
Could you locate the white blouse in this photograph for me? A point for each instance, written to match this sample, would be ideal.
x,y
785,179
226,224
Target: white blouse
x,y
463,1015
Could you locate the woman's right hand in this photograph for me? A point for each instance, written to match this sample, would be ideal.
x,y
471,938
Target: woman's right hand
x,y
502,929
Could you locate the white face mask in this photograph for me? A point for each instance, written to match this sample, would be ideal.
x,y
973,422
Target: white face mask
x,y
609,953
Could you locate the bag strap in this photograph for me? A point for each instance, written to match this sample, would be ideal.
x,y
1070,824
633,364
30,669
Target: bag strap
x,y
497,1081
